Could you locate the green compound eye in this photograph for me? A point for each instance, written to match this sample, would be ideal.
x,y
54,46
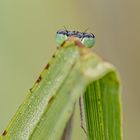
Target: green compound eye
x,y
88,40
61,36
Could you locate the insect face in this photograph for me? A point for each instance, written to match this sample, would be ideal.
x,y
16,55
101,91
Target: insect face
x,y
88,39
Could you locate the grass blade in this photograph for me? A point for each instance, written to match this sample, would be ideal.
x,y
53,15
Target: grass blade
x,y
102,108
51,79
48,107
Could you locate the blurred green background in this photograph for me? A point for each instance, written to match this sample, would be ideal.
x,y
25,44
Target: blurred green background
x,y
27,41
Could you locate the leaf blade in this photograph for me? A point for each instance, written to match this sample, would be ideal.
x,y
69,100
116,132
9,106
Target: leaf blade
x,y
30,112
104,119
78,68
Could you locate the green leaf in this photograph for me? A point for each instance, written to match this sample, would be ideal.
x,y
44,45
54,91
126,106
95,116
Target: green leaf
x,y
50,103
102,108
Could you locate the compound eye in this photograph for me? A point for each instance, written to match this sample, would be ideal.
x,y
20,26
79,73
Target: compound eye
x,y
88,40
61,36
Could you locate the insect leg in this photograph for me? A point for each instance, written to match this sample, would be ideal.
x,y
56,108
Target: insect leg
x,y
81,115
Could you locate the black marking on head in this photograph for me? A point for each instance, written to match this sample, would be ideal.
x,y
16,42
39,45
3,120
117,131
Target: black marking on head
x,y
75,33
72,33
80,35
4,133
63,32
88,35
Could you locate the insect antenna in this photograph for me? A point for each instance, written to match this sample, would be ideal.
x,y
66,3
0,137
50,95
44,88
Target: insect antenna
x,y
65,29
84,33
